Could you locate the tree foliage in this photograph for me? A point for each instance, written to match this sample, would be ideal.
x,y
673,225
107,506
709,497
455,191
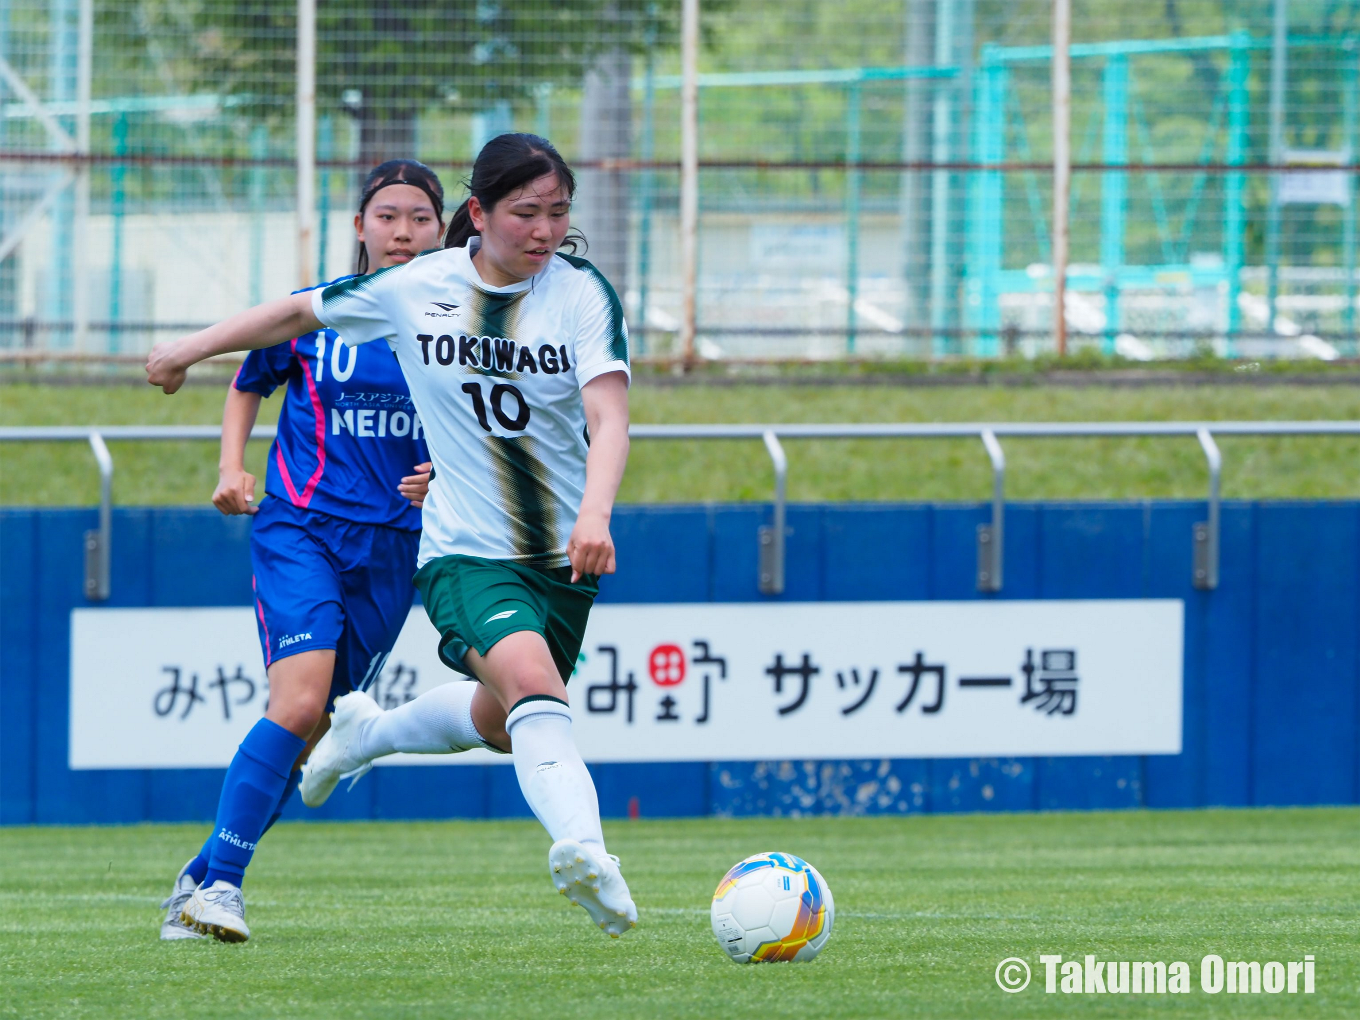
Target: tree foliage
x,y
402,54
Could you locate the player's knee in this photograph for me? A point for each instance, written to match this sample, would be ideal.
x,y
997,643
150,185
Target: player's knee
x,y
543,677
535,681
297,709
300,720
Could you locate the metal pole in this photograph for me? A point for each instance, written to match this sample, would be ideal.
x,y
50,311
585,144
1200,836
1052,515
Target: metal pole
x,y
1114,189
117,201
84,72
57,137
992,537
1279,58
648,186
35,210
989,133
1205,575
99,543
771,536
61,89
1350,103
80,304
306,140
819,430
8,273
326,149
852,189
941,127
1062,164
259,149
543,109
1234,184
689,177
918,26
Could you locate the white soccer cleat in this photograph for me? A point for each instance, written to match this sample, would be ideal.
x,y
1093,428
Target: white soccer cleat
x,y
336,755
173,927
219,911
595,883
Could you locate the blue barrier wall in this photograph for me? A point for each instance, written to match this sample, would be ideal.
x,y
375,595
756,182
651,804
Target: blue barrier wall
x,y
1271,712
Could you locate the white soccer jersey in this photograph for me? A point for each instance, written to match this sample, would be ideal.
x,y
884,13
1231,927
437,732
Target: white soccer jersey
x,y
495,374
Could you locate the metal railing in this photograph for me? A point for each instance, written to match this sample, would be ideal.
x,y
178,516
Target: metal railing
x,y
771,537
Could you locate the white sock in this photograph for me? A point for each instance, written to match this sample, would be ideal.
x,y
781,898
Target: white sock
x,y
437,722
551,773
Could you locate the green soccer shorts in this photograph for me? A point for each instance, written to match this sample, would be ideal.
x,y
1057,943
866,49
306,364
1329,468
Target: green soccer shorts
x,y
474,602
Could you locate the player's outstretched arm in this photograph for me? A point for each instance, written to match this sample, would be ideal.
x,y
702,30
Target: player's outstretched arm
x,y
235,485
262,326
590,547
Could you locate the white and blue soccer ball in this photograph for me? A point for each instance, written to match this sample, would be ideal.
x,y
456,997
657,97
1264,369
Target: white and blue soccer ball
x,y
772,907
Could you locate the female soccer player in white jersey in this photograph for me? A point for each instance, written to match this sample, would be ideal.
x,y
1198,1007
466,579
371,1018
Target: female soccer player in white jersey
x,y
332,550
517,359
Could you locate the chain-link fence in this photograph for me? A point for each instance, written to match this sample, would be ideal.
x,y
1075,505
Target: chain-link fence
x,y
875,175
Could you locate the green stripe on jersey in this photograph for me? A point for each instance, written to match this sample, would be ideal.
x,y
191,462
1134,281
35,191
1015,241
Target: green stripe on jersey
x,y
618,333
493,315
525,497
353,285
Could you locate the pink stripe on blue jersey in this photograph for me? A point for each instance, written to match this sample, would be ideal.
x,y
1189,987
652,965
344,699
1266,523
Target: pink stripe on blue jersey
x,y
347,426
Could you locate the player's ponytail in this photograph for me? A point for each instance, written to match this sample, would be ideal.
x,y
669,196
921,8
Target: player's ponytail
x,y
506,164
460,227
399,171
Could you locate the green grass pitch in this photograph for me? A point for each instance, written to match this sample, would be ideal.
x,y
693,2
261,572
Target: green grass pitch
x,y
458,919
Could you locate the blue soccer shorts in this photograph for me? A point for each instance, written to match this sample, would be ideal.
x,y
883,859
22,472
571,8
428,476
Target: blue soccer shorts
x,y
325,582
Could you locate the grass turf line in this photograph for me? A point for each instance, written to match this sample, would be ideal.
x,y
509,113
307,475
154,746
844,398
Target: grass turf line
x,y
458,919
832,470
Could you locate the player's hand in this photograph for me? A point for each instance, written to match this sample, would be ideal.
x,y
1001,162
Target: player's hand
x,y
163,366
234,492
590,548
417,486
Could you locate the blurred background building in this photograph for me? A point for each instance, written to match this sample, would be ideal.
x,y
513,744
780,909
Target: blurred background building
x,y
875,174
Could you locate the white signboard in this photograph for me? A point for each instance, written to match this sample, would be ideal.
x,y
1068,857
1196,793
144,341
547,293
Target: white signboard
x,y
1316,187
180,688
177,688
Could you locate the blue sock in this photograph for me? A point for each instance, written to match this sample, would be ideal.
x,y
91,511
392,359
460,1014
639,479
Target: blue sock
x,y
255,782
198,867
288,790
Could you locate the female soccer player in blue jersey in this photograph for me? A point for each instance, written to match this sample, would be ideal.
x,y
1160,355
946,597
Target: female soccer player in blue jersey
x,y
524,397
332,549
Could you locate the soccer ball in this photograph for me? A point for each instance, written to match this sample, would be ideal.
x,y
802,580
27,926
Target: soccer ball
x,y
772,907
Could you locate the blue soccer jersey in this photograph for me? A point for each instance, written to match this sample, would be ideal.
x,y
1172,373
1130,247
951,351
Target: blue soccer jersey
x,y
348,431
